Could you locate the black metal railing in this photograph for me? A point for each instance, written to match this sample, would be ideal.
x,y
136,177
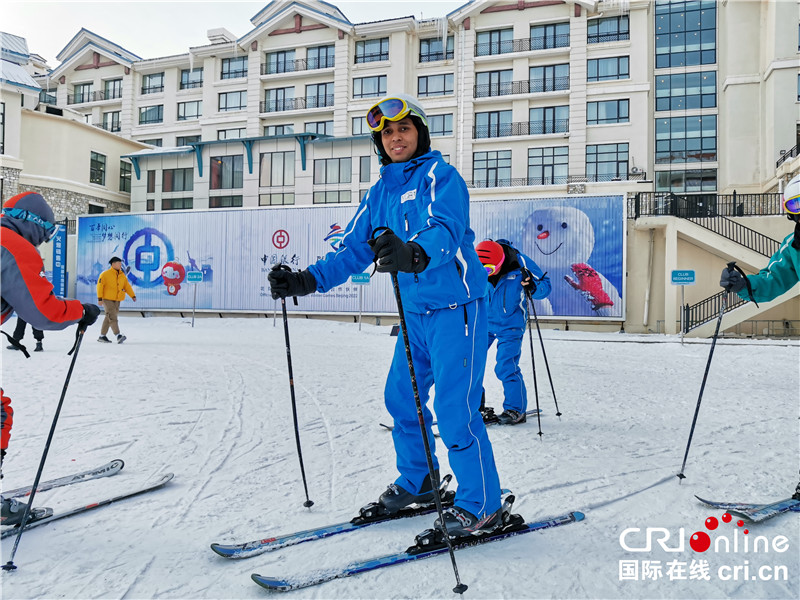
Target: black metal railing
x,y
235,74
560,40
153,89
497,182
520,128
113,126
189,85
46,98
787,155
707,310
301,64
742,235
647,204
93,96
605,177
435,56
506,88
599,38
296,103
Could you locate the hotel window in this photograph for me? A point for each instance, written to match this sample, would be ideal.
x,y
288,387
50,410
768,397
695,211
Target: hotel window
x,y
360,126
689,180
550,78
493,83
177,180
185,140
607,111
607,162
191,78
151,114
124,176
276,199
548,166
608,29
332,197
233,68
190,110
225,202
112,88
606,69
372,50
232,101
435,85
97,168
439,125
234,133
549,119
226,172
157,142
153,83
492,124
82,92
431,50
279,62
176,204
277,169
332,170
554,35
321,57
278,129
491,169
364,168
686,139
498,41
111,120
686,33
278,99
319,95
319,127
369,87
686,91
151,182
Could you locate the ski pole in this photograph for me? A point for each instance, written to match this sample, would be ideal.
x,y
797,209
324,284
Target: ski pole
x,y
544,354
681,476
535,384
308,503
10,566
460,587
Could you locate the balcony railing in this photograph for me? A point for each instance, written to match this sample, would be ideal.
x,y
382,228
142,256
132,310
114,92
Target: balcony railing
x,y
153,89
787,155
560,40
93,96
435,56
296,103
606,177
507,88
599,38
520,128
689,206
236,74
46,98
301,64
113,126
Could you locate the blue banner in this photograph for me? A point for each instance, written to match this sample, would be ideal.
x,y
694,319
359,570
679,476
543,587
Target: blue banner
x,y
59,277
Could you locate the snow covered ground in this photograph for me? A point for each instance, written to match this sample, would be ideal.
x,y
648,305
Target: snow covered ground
x,y
211,404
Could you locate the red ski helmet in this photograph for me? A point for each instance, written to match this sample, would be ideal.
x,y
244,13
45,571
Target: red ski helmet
x,y
491,256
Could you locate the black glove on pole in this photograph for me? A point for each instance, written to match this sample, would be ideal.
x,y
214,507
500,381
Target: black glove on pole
x,y
731,280
723,305
432,473
393,254
10,566
296,282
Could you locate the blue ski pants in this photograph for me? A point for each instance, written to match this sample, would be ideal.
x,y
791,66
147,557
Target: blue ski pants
x,y
509,350
448,347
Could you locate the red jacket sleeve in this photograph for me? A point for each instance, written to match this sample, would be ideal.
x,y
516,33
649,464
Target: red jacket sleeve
x,y
27,290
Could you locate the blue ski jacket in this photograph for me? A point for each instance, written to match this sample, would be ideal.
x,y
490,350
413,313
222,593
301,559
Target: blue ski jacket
x,y
507,302
423,200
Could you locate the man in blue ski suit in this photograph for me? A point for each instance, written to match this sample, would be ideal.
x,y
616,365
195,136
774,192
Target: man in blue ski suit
x,y
424,203
511,273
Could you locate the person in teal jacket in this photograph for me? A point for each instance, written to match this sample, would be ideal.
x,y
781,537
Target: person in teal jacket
x,y
783,269
511,275
424,203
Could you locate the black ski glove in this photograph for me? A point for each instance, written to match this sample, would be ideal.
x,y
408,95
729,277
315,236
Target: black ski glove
x,y
732,280
392,255
528,281
285,283
90,313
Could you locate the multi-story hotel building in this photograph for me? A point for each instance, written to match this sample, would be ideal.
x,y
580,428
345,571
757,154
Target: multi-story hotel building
x,y
674,103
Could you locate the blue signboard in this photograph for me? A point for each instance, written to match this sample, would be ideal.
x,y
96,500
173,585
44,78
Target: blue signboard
x,y
360,278
194,276
685,277
60,262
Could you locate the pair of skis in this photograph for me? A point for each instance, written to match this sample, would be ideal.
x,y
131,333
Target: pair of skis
x,y
42,516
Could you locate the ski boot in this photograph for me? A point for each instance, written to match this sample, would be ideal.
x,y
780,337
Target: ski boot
x,y
511,417
12,511
397,502
487,412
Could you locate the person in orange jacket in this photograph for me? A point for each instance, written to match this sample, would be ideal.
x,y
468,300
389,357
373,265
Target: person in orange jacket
x,y
112,285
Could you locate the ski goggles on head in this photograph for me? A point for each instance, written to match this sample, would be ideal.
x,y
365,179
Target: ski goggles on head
x,y
390,109
492,269
792,205
50,229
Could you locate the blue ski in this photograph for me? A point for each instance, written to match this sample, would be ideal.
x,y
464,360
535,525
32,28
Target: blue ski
x,y
413,553
756,512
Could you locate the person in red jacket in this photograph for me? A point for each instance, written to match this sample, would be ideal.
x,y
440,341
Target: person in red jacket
x,y
27,222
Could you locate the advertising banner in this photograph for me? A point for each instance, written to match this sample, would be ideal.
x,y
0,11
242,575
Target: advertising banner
x,y
582,249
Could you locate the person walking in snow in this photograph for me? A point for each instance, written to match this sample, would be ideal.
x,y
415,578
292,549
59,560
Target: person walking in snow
x,y
19,333
425,204
27,222
112,285
511,276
